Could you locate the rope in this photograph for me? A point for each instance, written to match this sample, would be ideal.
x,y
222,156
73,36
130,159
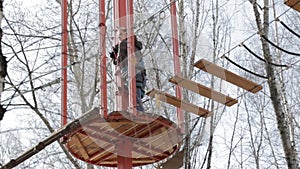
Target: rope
x,y
78,62
239,66
291,53
249,37
260,58
288,28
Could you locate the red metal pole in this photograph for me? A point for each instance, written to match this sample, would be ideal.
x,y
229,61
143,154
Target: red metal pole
x,y
124,157
131,55
120,13
124,147
117,75
64,87
102,34
177,70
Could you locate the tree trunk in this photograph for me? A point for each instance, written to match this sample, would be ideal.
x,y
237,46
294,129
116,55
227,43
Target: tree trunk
x,y
3,64
282,120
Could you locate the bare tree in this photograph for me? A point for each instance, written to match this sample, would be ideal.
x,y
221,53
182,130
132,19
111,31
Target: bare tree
x,y
238,137
284,128
3,64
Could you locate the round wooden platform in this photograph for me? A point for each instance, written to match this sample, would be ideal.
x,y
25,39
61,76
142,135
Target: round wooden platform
x,y
143,139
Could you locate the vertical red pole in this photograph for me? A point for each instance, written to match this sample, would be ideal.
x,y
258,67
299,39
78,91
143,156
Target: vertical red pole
x,y
124,147
177,70
120,21
122,13
131,55
103,83
116,40
116,18
64,88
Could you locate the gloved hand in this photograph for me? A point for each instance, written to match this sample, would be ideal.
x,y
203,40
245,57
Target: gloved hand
x,y
112,55
115,62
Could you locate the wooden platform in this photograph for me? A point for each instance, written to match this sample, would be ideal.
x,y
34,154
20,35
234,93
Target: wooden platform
x,y
295,4
203,90
151,137
229,76
179,103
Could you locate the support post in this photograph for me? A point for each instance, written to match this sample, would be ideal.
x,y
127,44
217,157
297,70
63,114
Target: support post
x,y
131,56
64,88
120,17
176,56
102,44
124,154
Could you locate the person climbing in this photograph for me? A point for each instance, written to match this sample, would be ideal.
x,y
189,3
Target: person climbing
x,y
119,55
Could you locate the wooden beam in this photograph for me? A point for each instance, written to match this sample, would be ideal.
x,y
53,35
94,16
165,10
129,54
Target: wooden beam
x,y
295,4
168,141
203,90
80,148
179,103
229,76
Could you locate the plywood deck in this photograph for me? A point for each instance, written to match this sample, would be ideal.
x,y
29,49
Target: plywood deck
x,y
203,90
295,4
179,103
229,76
153,138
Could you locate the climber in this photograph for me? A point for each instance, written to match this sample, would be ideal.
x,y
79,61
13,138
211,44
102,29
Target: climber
x,y
119,55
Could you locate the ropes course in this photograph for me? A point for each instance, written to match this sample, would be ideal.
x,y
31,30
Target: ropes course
x,y
121,139
146,21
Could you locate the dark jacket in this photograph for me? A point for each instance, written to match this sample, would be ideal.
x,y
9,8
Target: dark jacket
x,y
120,57
123,53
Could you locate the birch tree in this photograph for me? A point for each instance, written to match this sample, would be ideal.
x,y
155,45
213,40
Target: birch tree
x,y
289,147
3,63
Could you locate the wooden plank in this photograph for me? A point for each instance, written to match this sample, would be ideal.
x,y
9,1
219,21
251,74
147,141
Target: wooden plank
x,y
80,148
229,76
179,103
295,4
203,90
166,139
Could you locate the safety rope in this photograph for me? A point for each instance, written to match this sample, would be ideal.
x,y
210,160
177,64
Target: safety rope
x,y
239,66
288,28
289,52
260,58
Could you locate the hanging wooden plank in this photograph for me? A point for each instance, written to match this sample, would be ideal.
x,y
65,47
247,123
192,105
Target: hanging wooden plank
x,y
229,76
179,103
295,4
203,90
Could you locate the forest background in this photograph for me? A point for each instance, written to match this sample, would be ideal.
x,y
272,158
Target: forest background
x,y
261,131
